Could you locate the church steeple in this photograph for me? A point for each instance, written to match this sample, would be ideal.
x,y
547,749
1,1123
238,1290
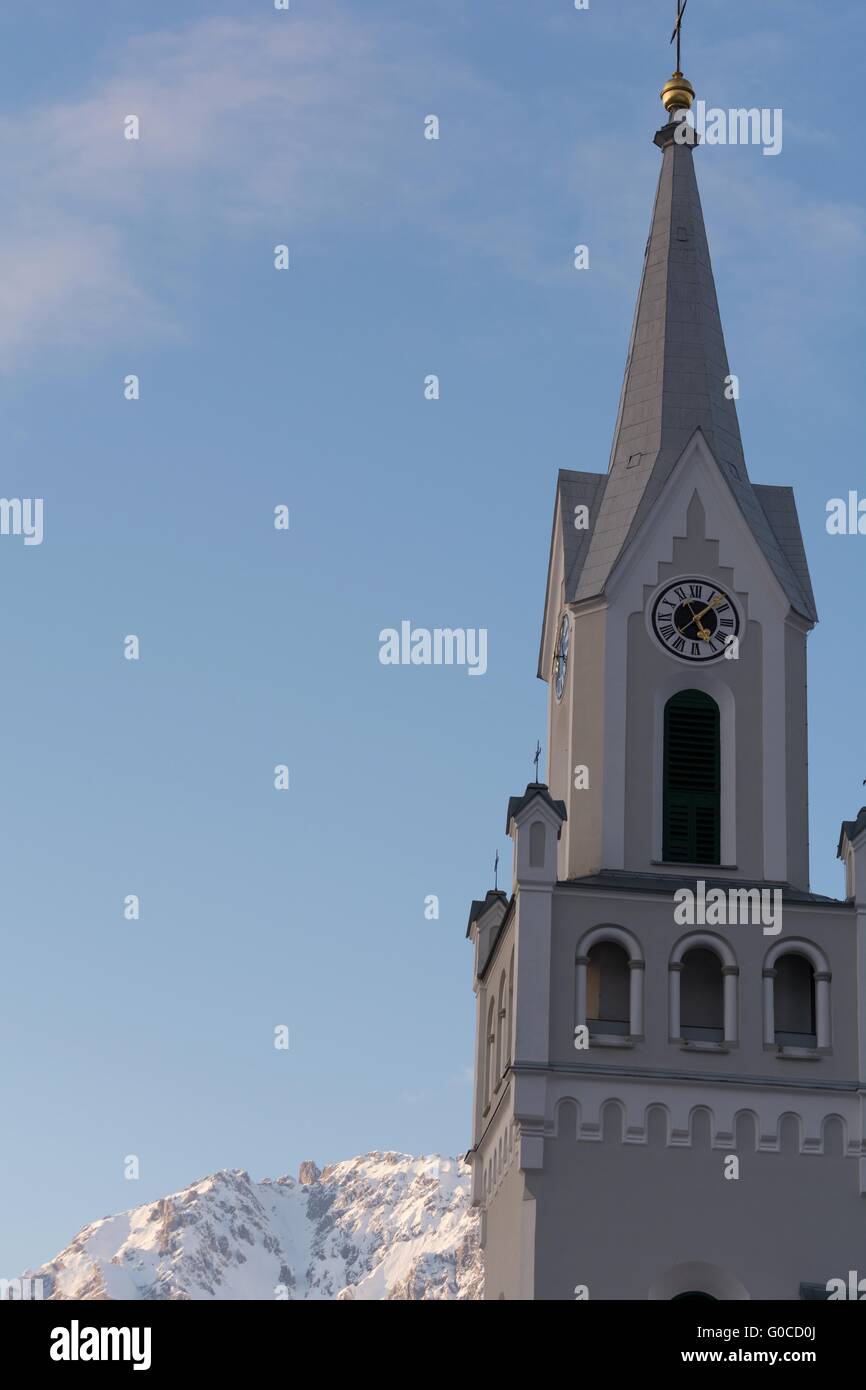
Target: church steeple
x,y
623,1045
675,519
677,376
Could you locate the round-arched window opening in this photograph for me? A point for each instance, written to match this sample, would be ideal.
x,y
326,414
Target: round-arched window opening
x,y
608,989
794,1001
702,996
694,1294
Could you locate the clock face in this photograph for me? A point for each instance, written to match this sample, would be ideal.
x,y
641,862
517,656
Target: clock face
x,y
692,618
560,660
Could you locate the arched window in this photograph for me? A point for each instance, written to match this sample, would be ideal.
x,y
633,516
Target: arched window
x,y
702,1006
797,997
500,1028
608,989
490,1053
692,779
609,971
704,997
794,1002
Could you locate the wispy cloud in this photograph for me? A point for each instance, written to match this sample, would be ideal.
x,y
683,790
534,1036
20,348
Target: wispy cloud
x,y
303,128
242,123
263,125
69,286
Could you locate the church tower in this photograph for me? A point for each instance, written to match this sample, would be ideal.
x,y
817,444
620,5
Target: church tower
x,y
671,1028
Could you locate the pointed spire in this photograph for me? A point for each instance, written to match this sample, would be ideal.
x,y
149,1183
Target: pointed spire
x,y
677,377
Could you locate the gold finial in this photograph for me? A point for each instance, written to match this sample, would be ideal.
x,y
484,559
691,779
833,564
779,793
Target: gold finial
x,y
677,94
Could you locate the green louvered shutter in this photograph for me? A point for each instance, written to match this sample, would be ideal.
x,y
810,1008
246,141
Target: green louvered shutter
x,y
691,779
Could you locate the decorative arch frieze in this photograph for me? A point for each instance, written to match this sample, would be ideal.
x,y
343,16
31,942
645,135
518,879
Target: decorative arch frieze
x,y
739,1122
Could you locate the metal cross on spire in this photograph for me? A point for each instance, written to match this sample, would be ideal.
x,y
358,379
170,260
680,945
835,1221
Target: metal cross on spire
x,y
536,759
496,873
677,34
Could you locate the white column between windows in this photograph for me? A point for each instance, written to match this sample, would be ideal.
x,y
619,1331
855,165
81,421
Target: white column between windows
x,y
769,1008
675,970
822,1008
730,975
635,1001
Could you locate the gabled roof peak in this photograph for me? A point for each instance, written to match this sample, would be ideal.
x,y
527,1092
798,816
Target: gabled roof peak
x,y
851,829
482,905
534,790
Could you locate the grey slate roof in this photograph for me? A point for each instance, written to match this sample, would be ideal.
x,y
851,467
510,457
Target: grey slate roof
x,y
480,905
575,490
780,510
852,828
533,790
572,490
674,385
620,880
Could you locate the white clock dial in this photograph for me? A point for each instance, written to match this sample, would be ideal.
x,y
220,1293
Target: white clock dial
x,y
694,619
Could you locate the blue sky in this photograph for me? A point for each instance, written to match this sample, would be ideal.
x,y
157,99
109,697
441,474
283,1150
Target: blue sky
x,y
408,257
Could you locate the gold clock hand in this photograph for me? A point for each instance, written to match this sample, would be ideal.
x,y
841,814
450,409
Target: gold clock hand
x,y
703,632
713,603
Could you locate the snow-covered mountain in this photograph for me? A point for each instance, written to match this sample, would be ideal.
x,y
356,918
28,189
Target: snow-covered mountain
x,y
381,1226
